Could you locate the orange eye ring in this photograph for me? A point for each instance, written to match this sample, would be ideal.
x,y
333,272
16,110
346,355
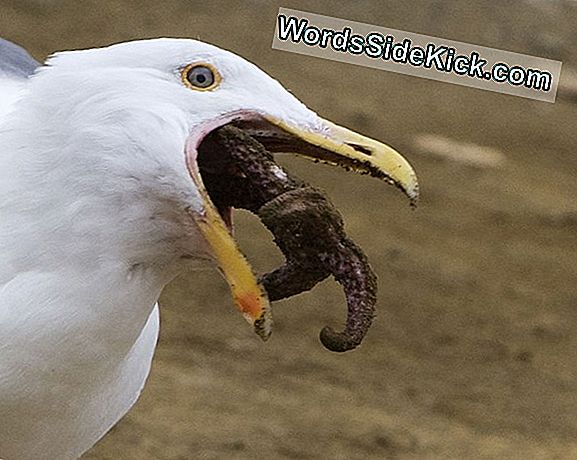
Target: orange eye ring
x,y
201,76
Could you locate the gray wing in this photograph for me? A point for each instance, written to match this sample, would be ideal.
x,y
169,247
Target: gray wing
x,y
15,62
16,65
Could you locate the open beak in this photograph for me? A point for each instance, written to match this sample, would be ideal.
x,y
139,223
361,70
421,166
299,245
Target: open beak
x,y
334,145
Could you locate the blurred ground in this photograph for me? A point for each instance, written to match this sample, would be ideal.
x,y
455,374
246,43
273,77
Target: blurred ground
x,y
474,353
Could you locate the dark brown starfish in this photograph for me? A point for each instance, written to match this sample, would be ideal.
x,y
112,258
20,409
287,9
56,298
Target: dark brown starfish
x,y
306,227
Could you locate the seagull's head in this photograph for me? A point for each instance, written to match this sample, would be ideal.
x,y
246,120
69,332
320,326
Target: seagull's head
x,y
146,107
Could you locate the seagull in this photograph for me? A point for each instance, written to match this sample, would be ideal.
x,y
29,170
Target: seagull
x,y
102,204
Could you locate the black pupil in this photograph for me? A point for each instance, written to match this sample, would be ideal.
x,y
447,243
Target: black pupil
x,y
201,77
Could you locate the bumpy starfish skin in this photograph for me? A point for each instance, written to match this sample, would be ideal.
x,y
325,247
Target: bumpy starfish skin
x,y
306,227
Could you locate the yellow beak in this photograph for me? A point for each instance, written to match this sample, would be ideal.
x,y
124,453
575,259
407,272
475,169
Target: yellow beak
x,y
342,147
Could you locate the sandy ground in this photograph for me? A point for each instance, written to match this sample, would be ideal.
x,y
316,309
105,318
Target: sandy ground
x,y
474,352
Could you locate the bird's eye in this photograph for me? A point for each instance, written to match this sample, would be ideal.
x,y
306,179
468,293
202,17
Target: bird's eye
x,y
202,77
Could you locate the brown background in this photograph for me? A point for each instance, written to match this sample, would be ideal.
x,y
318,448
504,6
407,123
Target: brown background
x,y
474,353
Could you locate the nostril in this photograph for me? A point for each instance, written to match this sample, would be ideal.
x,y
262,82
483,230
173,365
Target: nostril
x,y
361,148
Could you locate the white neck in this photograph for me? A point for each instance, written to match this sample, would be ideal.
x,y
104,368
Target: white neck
x,y
93,227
